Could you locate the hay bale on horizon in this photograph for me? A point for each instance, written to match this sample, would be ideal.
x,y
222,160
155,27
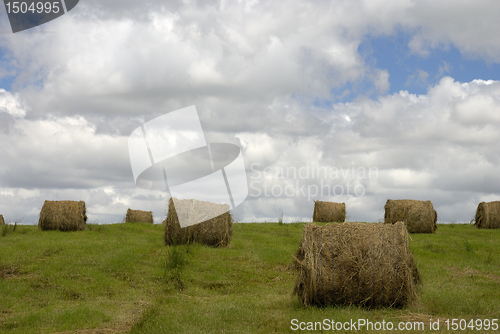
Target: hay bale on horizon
x,y
363,264
419,216
63,216
488,215
215,232
2,221
328,212
139,216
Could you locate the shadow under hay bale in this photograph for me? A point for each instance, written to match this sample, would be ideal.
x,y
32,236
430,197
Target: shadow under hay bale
x,y
419,216
328,212
215,232
138,216
488,215
368,265
2,221
63,216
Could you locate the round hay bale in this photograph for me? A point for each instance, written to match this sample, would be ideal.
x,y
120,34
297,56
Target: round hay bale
x,y
138,216
368,265
488,215
2,221
419,216
213,232
63,216
328,212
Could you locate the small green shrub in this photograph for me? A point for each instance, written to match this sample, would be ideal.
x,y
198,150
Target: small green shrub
x,y
280,218
176,260
6,229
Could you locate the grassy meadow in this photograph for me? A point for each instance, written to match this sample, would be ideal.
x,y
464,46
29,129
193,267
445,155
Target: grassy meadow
x,y
121,278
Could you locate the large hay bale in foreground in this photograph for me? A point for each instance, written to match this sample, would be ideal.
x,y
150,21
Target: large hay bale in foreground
x,y
328,212
419,216
488,215
213,232
2,221
138,216
361,264
63,216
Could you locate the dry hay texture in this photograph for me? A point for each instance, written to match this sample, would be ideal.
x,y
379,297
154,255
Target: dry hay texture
x,y
63,216
328,212
138,216
362,264
419,216
488,215
2,221
213,232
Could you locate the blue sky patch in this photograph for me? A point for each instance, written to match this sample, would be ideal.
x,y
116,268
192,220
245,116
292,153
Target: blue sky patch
x,y
414,73
6,79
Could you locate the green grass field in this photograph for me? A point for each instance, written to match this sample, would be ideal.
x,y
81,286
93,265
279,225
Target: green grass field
x,y
121,278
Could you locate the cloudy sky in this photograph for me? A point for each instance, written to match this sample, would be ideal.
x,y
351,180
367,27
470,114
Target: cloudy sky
x,y
349,101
